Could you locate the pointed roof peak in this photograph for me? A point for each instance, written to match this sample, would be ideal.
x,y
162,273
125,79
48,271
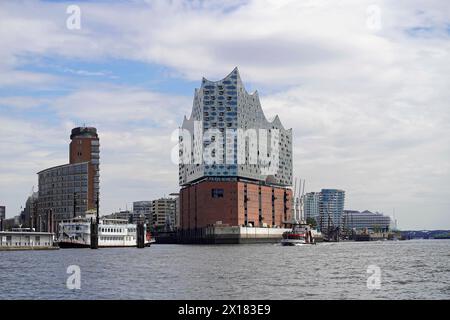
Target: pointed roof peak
x,y
234,74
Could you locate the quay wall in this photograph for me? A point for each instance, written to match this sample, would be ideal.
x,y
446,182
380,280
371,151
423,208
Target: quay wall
x,y
222,235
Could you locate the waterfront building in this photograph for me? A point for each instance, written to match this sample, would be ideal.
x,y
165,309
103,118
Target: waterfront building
x,y
373,221
331,208
2,216
311,205
25,239
235,166
11,223
177,213
164,213
177,209
143,208
69,190
30,212
130,216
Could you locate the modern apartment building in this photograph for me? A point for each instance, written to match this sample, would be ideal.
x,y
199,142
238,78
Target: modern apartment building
x,y
71,189
311,205
235,165
331,208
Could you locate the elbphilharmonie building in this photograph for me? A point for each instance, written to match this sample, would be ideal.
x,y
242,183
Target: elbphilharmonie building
x,y
235,165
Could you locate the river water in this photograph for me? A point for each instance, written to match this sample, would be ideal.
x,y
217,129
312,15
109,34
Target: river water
x,y
415,269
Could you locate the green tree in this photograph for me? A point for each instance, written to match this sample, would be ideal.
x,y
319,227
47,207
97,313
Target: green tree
x,y
312,222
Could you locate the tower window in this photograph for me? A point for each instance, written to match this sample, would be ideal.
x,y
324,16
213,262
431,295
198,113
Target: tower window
x,y
217,193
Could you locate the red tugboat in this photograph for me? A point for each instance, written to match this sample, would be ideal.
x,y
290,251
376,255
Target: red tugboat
x,y
301,231
148,238
299,235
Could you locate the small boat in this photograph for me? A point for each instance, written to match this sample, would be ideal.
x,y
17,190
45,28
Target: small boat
x,y
299,235
301,232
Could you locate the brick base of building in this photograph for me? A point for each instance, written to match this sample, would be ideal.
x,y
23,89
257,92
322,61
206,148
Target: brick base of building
x,y
234,203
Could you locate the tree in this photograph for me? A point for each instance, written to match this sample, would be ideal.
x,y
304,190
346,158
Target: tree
x,y
312,222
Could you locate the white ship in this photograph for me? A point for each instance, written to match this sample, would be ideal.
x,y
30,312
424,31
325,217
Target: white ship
x,y
76,233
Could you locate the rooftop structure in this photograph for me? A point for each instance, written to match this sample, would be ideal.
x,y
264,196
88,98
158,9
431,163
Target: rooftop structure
x,y
228,135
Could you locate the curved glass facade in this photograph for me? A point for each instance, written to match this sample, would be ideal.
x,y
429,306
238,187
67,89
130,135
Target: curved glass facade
x,y
227,125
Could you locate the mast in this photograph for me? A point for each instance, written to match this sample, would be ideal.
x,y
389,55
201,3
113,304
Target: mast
x,y
295,199
302,201
97,218
328,213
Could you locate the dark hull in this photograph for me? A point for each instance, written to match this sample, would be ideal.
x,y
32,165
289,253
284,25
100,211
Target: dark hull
x,y
71,245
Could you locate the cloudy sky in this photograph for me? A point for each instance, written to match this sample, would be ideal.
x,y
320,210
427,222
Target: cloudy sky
x,y
364,85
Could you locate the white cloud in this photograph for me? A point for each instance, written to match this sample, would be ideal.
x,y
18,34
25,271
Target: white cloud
x,y
115,104
134,127
369,109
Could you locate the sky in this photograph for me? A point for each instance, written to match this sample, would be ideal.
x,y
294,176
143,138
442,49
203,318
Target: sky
x,y
363,84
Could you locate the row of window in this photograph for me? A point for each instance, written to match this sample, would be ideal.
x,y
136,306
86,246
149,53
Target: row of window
x,y
128,238
70,169
26,243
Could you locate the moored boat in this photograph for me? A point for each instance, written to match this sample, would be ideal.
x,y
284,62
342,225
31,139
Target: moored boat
x,y
76,233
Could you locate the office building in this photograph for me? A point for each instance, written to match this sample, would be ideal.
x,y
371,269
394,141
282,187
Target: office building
x,y
331,208
311,205
130,216
164,213
2,217
69,190
29,214
373,221
143,208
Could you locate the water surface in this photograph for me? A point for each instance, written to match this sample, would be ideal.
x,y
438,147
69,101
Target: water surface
x,y
409,270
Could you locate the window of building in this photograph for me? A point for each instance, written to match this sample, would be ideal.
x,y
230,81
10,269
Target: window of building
x,y
217,193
